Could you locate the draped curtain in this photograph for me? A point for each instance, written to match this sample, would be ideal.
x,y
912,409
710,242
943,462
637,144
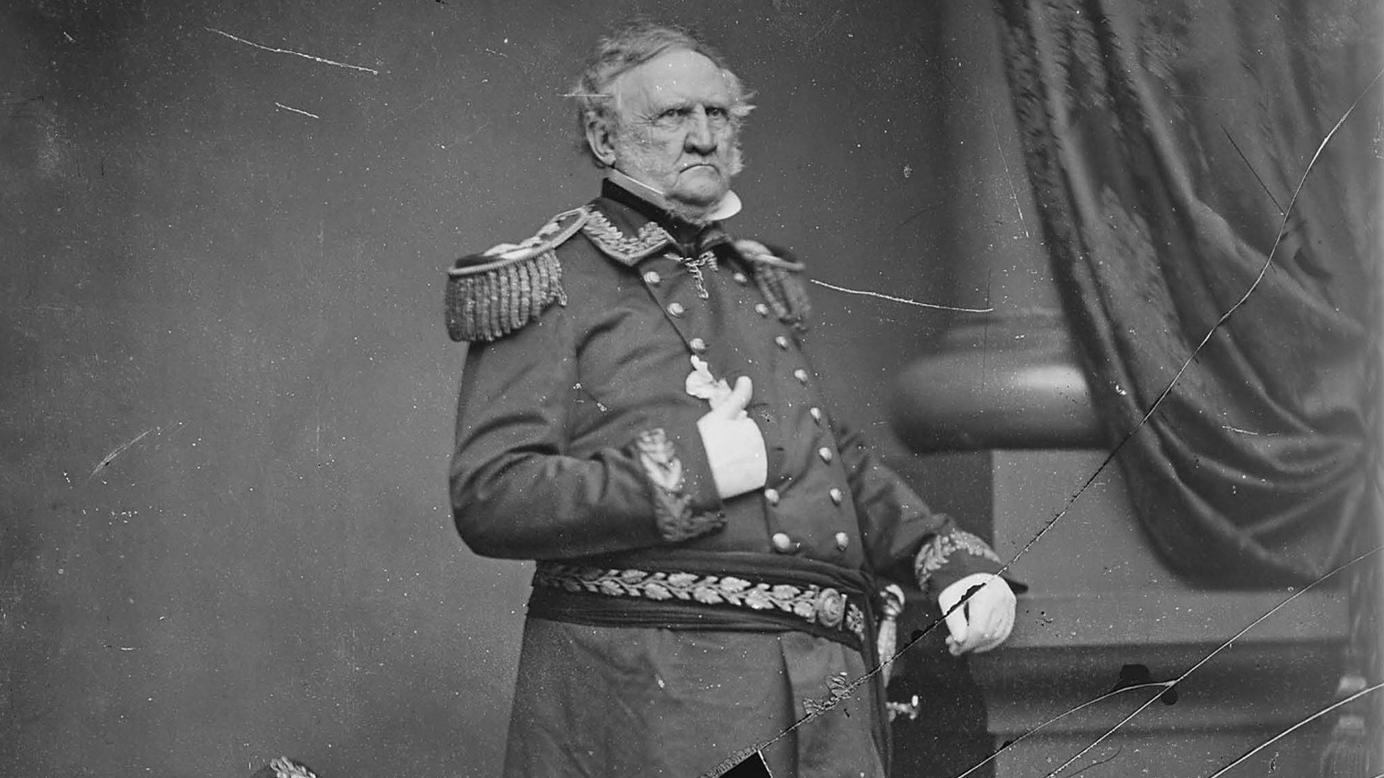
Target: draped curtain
x,y
1166,141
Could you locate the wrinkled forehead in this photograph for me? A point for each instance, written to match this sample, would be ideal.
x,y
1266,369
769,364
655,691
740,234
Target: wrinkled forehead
x,y
676,77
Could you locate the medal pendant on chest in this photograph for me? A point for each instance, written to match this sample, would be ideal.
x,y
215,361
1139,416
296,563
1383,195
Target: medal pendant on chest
x,y
696,266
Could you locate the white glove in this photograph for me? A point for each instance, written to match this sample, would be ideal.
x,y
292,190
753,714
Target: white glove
x,y
984,621
734,445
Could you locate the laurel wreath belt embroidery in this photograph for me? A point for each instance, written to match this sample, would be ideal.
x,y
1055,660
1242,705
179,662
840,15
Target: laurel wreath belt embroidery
x,y
823,605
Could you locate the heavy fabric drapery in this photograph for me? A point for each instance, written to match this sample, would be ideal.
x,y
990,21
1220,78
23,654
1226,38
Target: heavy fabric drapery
x,y
1166,142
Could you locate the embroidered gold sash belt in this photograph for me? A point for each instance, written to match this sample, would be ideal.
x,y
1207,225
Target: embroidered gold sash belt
x,y
828,603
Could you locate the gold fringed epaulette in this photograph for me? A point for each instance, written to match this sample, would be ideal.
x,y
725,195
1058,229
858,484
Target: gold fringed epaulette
x,y
780,280
492,294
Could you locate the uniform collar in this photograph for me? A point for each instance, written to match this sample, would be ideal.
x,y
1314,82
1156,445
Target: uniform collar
x,y
626,223
653,204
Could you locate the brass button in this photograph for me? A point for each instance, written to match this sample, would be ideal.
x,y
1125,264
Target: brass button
x,y
781,341
782,543
816,414
824,453
843,541
772,496
799,374
836,495
761,309
698,345
740,278
652,278
676,309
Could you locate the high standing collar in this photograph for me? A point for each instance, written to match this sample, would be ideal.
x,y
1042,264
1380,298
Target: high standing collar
x,y
649,203
630,228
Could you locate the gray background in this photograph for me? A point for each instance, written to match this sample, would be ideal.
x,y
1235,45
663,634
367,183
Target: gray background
x,y
227,392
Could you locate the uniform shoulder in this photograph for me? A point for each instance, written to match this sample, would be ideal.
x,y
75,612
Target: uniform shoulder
x,y
503,288
781,277
769,254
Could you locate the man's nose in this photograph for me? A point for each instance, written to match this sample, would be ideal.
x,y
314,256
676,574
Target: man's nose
x,y
700,135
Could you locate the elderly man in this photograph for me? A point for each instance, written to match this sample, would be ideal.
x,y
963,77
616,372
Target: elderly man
x,y
639,414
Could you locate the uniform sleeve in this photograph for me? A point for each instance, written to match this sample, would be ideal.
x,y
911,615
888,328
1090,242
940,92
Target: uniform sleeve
x,y
904,539
517,492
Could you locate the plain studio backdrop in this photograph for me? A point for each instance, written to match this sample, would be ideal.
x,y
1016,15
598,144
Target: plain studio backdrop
x,y
227,392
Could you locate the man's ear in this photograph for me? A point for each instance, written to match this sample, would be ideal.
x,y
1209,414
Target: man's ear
x,y
599,138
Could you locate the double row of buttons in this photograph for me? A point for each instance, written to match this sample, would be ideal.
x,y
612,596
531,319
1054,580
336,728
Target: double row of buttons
x,y
677,310
781,541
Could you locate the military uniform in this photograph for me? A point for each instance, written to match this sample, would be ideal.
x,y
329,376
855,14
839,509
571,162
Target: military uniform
x,y
670,628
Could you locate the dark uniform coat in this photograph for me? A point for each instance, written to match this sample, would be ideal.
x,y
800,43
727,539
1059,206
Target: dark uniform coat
x,y
577,445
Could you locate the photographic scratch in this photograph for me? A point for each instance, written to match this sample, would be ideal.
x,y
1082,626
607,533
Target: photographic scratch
x,y
467,137
274,50
1164,686
1297,726
1099,762
1008,175
1252,171
1241,431
921,211
1158,402
415,109
1214,653
296,110
117,451
902,300
1215,327
1268,260
1161,686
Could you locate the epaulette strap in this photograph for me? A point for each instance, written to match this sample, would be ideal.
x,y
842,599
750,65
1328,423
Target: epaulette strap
x,y
780,281
493,294
501,299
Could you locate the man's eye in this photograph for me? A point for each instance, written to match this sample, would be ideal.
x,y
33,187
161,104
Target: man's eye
x,y
717,112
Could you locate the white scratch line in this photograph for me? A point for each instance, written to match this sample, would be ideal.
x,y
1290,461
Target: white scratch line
x,y
371,71
1222,647
1013,193
1297,726
117,451
903,300
1237,429
297,110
